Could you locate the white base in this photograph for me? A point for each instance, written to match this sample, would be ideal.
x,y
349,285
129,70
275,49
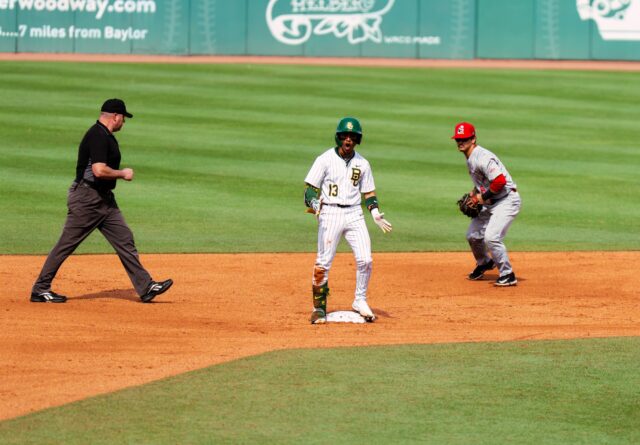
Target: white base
x,y
345,317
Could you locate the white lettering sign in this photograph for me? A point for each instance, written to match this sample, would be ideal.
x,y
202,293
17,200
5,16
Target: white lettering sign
x,y
97,7
357,20
73,32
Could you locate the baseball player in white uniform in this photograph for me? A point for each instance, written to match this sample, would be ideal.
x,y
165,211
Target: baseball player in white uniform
x,y
334,186
496,191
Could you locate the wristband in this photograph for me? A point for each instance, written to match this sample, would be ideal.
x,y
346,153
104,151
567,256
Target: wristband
x,y
310,193
488,195
371,203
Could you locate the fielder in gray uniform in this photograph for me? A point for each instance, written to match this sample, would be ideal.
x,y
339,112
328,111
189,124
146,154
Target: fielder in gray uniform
x,y
334,187
496,191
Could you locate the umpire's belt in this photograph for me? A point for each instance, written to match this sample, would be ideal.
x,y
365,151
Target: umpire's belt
x,y
87,184
342,206
92,185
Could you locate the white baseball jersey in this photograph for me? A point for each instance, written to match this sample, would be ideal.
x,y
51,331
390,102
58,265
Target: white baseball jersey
x,y
341,182
484,167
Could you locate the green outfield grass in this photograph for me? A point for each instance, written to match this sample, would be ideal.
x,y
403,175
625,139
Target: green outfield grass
x,y
221,151
546,392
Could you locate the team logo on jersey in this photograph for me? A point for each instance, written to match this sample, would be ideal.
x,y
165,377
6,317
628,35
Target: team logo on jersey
x,y
355,176
292,22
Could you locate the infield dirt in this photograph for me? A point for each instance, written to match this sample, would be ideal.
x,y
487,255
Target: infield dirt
x,y
223,307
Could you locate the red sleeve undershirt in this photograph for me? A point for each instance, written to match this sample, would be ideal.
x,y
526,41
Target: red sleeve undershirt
x,y
498,184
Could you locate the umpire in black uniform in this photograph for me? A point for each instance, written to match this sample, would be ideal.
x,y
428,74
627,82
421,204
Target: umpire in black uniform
x,y
91,205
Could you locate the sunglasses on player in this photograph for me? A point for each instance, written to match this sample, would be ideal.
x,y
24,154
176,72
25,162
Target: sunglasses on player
x,y
352,136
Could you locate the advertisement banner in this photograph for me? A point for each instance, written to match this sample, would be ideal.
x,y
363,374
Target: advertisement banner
x,y
617,28
95,26
368,28
8,31
439,29
267,33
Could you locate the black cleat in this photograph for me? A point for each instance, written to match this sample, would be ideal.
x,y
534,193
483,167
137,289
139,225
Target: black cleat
x,y
156,288
47,297
507,280
479,271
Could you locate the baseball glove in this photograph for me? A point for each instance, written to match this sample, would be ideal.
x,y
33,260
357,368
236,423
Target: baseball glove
x,y
469,205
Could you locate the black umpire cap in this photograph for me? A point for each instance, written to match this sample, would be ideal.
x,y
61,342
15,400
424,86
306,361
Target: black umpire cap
x,y
115,106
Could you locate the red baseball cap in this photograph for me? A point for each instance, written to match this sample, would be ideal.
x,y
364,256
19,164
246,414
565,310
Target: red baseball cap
x,y
464,130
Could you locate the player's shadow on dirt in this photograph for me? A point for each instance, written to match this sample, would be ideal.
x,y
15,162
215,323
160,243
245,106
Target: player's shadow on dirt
x,y
381,313
114,294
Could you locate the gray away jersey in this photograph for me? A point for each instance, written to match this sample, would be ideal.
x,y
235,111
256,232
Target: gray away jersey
x,y
484,167
341,182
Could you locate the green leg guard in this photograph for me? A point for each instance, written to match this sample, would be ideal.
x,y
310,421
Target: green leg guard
x,y
320,294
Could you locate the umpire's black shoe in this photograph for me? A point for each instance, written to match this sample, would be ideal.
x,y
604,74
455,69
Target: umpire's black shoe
x,y
479,271
507,280
156,288
47,297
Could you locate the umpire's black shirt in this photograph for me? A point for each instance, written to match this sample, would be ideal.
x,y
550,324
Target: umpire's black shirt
x,y
98,145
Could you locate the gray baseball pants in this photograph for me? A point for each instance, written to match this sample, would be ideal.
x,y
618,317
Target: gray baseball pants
x,y
486,232
88,210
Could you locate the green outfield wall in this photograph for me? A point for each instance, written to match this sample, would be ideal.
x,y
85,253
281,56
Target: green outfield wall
x,y
441,29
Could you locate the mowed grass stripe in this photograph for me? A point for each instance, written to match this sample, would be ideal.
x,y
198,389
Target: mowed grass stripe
x,y
221,152
546,392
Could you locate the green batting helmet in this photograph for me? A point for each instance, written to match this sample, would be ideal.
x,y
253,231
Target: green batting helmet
x,y
349,125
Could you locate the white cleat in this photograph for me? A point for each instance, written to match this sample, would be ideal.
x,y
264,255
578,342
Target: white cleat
x,y
360,306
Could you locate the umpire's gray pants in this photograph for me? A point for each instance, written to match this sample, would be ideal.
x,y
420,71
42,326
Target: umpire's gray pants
x,y
89,210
